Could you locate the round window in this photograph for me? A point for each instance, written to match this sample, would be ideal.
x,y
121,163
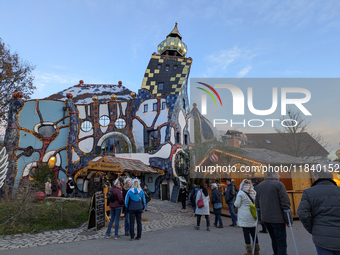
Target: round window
x,y
120,123
86,126
104,121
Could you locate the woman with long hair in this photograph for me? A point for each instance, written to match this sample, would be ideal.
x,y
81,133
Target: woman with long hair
x,y
135,203
126,188
203,193
246,197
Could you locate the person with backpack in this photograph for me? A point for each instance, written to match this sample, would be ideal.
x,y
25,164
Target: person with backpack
x,y
70,187
147,193
192,197
217,205
135,203
246,220
230,196
202,207
115,197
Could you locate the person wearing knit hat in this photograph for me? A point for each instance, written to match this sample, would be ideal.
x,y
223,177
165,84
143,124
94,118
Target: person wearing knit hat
x,y
217,205
116,204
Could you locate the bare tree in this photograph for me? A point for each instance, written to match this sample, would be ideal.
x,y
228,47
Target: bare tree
x,y
15,76
299,139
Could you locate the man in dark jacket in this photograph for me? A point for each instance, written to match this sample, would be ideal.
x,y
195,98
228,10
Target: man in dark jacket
x,y
216,202
319,212
230,196
116,204
147,193
183,196
272,199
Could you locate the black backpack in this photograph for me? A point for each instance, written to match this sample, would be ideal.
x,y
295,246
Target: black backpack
x,y
110,197
193,198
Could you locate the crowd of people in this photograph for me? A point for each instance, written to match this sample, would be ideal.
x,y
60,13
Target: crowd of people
x,y
60,188
130,198
266,203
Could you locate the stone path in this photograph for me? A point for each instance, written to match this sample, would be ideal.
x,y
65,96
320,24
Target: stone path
x,y
161,214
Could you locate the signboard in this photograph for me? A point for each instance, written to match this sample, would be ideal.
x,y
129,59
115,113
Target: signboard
x,y
174,195
105,166
97,211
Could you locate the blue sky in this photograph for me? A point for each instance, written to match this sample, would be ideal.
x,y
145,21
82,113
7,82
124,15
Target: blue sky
x,y
102,42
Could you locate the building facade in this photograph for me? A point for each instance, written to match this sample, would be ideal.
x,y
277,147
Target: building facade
x,y
71,129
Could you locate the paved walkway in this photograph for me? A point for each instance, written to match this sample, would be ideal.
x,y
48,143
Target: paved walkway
x,y
161,215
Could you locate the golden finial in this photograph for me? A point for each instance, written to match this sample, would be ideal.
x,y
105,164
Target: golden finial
x,y
176,23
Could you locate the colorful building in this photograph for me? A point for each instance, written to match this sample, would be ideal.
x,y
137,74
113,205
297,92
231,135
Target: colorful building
x,y
89,129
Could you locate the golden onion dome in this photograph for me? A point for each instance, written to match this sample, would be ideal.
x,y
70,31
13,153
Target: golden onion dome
x,y
173,44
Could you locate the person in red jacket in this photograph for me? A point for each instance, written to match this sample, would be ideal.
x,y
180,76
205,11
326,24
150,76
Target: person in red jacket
x,y
116,204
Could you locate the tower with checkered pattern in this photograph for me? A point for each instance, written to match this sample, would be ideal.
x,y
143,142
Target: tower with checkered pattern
x,y
168,71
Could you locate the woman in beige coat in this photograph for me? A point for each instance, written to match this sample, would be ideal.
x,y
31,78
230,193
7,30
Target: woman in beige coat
x,y
245,197
202,193
48,189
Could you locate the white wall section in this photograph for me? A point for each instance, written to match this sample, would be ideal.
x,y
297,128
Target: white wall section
x,y
81,110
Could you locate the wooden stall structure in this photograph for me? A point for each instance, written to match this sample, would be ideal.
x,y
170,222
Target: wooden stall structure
x,y
293,171
113,167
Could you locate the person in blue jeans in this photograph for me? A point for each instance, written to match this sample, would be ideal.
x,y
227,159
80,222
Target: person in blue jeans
x,y
116,204
126,188
230,196
135,203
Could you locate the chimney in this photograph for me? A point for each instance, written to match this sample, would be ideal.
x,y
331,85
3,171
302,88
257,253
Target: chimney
x,y
234,142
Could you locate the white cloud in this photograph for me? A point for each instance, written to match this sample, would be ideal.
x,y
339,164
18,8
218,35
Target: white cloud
x,y
220,61
45,81
244,71
225,57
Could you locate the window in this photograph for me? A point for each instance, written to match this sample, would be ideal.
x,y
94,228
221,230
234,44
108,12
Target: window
x,y
268,141
120,123
86,126
250,142
175,67
178,137
154,107
167,68
183,103
163,105
145,108
104,121
159,66
46,131
186,139
153,140
160,85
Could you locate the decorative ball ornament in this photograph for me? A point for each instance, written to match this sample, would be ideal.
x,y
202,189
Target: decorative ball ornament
x,y
15,95
194,105
81,82
20,95
213,157
120,83
39,196
69,96
52,161
95,99
133,94
113,97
